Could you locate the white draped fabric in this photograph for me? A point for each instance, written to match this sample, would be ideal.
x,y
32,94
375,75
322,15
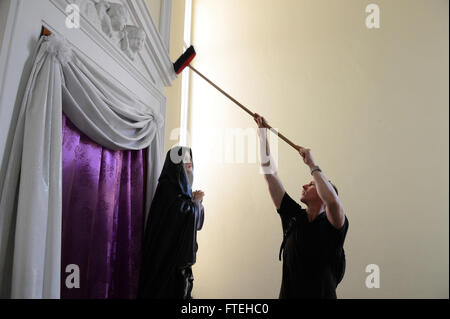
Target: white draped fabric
x,y
61,80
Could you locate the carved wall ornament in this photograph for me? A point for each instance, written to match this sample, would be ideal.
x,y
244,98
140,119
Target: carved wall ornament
x,y
112,18
105,21
132,41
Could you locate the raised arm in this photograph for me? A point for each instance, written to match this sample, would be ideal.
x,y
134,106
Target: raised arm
x,y
333,206
276,188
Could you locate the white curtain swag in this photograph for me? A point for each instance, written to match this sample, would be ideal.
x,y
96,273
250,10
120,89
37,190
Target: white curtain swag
x,y
61,80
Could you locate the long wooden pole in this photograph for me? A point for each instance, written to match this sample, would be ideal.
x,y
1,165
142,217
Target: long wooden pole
x,y
284,138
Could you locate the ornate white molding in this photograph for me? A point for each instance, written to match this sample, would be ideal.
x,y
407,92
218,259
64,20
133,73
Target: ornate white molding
x,y
132,41
159,52
164,22
125,30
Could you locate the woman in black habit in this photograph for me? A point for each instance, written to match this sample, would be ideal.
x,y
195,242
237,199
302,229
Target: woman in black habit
x,y
170,240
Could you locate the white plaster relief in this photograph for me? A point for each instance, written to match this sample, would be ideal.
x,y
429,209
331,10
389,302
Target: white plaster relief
x,y
112,18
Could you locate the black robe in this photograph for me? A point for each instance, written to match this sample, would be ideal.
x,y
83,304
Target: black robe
x,y
170,241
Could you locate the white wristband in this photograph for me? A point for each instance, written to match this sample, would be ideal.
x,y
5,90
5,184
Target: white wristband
x,y
315,168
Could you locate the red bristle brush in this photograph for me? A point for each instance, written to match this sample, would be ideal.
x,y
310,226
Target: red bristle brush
x,y
186,58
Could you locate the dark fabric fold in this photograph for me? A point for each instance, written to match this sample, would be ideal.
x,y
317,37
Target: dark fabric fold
x,y
170,243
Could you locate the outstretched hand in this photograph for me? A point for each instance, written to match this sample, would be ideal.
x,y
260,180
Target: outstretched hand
x,y
260,121
306,155
198,195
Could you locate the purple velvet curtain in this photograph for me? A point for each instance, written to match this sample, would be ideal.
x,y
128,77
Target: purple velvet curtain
x,y
103,216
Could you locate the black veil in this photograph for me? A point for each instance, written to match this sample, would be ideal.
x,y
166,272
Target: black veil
x,y
170,239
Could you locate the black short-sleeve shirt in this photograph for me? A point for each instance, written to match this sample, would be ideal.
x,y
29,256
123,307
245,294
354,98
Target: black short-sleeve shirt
x,y
313,254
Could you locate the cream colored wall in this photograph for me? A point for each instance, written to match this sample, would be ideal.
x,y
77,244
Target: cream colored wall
x,y
371,104
173,93
155,10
